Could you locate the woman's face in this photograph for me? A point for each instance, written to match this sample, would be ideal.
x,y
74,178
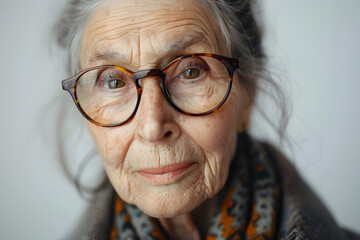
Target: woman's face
x,y
164,162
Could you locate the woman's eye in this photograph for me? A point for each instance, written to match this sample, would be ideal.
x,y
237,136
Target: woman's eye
x,y
114,84
191,73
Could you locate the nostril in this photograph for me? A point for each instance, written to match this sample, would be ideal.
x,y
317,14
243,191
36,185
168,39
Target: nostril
x,y
167,134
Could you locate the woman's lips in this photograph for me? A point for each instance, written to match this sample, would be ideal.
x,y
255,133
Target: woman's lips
x,y
165,175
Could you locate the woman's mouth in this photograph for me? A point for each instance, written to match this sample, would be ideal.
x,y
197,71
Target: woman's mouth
x,y
166,175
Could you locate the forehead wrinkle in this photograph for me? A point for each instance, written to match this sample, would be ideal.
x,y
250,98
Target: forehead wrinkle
x,y
169,52
110,27
146,21
175,48
113,23
121,31
190,34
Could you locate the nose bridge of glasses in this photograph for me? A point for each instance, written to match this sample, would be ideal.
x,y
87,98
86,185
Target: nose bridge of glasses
x,y
148,73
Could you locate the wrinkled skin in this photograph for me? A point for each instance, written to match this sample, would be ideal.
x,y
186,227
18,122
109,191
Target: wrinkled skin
x,y
148,34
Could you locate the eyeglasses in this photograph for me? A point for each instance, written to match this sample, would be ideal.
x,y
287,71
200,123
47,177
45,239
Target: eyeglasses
x,y
194,84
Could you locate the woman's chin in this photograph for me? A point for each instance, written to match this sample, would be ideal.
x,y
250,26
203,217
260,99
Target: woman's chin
x,y
169,206
172,200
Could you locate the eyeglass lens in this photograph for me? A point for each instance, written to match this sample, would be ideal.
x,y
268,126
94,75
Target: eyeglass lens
x,y
194,84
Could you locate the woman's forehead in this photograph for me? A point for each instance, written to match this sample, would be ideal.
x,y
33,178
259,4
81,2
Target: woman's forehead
x,y
136,29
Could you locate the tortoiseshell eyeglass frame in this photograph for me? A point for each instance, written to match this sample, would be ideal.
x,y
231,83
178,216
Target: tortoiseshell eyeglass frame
x,y
70,84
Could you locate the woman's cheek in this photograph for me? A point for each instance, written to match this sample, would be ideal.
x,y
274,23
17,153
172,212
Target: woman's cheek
x,y
217,136
212,132
111,144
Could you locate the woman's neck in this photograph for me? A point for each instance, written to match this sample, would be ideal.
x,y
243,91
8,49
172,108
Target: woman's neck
x,y
193,225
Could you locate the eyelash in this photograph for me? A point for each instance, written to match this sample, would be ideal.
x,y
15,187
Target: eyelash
x,y
103,79
191,65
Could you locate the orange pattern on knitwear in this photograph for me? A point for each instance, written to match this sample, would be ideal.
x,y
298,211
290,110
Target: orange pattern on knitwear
x,y
119,205
260,168
251,230
208,237
226,219
157,233
113,233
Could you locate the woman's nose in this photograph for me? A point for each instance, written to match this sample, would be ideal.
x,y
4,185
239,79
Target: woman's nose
x,y
155,116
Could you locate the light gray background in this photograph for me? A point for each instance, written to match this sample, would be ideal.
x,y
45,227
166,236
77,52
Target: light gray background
x,y
314,45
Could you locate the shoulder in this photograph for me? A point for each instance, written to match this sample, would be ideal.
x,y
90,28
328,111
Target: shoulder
x,y
97,219
303,215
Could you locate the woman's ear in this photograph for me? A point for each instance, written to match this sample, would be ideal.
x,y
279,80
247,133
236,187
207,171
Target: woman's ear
x,y
247,100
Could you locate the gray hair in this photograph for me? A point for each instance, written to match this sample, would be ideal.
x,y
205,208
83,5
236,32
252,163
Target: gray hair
x,y
70,28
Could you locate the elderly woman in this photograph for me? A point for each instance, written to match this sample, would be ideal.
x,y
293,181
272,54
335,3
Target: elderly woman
x,y
167,88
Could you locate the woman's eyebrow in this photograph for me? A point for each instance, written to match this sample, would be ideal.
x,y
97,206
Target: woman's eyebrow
x,y
172,50
181,44
108,56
